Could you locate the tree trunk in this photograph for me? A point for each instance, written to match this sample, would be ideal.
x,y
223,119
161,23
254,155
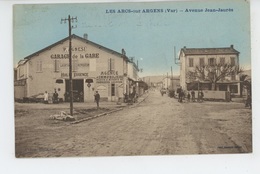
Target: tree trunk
x,y
214,86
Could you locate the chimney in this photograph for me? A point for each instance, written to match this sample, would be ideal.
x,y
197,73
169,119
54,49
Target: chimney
x,y
123,51
85,36
231,46
184,47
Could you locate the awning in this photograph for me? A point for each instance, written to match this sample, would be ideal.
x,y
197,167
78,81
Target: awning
x,y
89,81
59,81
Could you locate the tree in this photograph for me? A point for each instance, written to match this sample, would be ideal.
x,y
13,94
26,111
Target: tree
x,y
245,82
213,73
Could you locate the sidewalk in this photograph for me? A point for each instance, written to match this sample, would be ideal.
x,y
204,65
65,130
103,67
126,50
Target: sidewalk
x,y
113,107
84,111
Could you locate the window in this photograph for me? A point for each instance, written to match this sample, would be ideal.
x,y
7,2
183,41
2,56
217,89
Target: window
x,y
56,65
111,64
190,62
223,87
21,71
222,61
211,61
202,62
233,89
113,90
232,61
74,65
39,66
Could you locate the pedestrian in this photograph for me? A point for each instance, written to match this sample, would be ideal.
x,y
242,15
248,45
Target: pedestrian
x,y
181,95
198,96
179,91
193,95
66,96
201,95
188,96
55,97
97,98
46,97
248,101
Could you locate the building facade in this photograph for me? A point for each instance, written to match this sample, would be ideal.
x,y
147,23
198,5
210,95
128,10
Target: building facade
x,y
94,68
171,83
190,58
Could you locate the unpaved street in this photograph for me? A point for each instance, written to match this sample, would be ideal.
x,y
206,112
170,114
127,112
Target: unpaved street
x,y
157,126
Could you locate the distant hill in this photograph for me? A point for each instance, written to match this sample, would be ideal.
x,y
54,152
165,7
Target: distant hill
x,y
153,79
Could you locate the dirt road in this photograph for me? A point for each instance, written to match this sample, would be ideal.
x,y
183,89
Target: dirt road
x,y
157,126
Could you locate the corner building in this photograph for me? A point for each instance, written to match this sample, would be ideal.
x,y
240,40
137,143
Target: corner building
x,y
192,57
94,68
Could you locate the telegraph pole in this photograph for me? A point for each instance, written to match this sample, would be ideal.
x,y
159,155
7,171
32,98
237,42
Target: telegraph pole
x,y
70,19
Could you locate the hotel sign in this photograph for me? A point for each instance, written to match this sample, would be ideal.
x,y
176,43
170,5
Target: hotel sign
x,y
66,75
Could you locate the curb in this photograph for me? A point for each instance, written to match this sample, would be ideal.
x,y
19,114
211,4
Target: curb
x,y
106,113
138,102
96,116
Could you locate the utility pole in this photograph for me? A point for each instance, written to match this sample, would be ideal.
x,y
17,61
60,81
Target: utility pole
x,y
70,19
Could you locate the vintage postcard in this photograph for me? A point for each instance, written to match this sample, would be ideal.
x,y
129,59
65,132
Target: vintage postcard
x,y
132,78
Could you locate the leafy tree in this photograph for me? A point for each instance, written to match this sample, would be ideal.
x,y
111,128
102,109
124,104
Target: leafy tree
x,y
213,73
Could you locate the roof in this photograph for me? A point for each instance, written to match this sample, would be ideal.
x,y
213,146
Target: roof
x,y
209,51
80,38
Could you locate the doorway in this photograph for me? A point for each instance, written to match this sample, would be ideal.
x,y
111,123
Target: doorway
x,y
78,90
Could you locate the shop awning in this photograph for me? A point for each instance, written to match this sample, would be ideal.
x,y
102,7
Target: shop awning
x,y
59,81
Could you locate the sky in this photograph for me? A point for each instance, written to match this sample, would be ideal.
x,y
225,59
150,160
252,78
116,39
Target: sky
x,y
148,37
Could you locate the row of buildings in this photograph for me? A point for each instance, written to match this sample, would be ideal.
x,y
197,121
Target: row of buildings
x,y
94,68
113,74
209,67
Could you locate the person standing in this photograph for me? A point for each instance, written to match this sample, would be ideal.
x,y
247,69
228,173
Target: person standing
x,y
188,96
192,95
201,95
46,97
55,97
97,98
181,95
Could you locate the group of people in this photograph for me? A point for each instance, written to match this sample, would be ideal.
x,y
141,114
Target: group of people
x,y
55,97
131,98
190,95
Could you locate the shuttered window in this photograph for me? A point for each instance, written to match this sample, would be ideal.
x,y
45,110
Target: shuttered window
x,y
190,62
56,65
222,61
202,62
232,61
39,66
111,64
212,61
